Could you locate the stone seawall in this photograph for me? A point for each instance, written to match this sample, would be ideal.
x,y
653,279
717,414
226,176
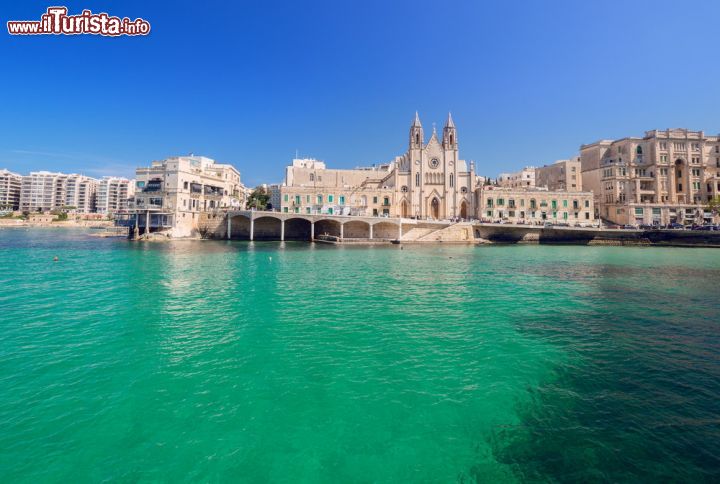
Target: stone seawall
x,y
496,233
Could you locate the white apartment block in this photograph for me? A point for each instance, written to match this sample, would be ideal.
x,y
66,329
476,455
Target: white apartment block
x,y
10,184
114,194
171,194
43,191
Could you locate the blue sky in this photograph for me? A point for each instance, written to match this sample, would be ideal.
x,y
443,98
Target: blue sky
x,y
250,83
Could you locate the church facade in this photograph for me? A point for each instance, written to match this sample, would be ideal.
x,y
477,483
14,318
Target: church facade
x,y
429,181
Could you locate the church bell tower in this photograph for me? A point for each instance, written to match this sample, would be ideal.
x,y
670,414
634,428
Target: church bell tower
x,y
417,137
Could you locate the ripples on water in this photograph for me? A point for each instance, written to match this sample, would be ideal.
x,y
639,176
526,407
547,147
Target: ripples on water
x,y
285,362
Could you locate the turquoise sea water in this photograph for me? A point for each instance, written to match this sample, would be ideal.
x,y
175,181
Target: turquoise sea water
x,y
270,362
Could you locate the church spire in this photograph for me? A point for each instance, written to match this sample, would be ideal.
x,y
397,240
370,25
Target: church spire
x,y
449,123
417,138
416,122
450,134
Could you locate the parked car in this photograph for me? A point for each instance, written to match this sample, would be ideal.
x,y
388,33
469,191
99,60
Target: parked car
x,y
547,224
612,226
629,227
676,226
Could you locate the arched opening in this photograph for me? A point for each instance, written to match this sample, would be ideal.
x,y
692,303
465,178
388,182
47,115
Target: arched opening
x,y
356,229
266,228
240,227
404,209
417,138
679,173
327,228
297,229
463,209
435,208
639,150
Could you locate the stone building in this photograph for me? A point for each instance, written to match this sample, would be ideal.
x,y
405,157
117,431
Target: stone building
x,y
524,178
10,184
534,206
170,195
429,181
561,175
667,176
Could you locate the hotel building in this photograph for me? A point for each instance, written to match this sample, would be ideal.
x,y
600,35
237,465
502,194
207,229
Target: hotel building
x,y
535,206
10,184
171,194
667,176
429,181
114,194
43,191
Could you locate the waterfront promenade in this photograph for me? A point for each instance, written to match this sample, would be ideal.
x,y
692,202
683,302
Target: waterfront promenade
x,y
268,225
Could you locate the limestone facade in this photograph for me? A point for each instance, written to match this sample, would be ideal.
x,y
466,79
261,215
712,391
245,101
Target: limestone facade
x,y
172,193
664,177
429,181
561,175
535,206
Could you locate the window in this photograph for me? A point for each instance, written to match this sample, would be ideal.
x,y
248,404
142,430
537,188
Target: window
x,y
500,202
639,150
452,179
565,204
386,201
404,189
307,209
554,205
341,199
587,203
417,179
307,199
638,211
565,215
312,176
489,202
285,209
463,190
374,199
285,198
297,199
532,203
319,199
185,185
331,198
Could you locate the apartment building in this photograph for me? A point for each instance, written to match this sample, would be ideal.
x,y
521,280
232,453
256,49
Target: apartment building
x,y
10,184
667,176
43,191
114,194
561,175
170,194
524,178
